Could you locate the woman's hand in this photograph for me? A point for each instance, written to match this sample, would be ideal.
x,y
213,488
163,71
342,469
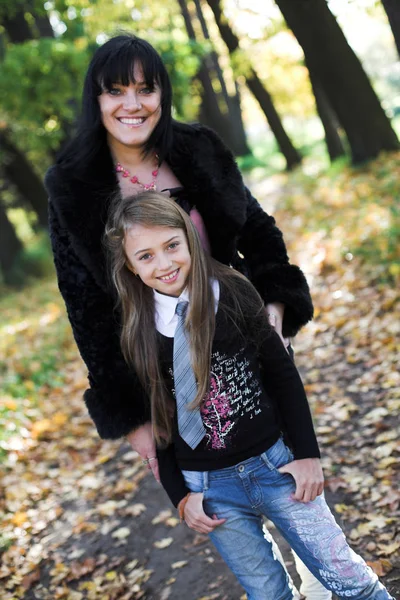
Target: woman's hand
x,y
196,518
142,441
275,311
309,478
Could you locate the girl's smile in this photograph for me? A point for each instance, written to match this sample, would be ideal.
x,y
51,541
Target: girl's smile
x,y
160,257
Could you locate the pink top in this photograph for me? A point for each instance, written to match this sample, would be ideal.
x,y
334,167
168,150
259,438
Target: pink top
x,y
198,222
195,216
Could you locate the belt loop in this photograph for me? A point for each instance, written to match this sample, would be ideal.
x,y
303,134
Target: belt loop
x,y
205,480
267,461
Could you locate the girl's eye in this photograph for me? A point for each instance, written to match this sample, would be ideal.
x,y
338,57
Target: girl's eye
x,y
146,90
114,91
173,245
145,256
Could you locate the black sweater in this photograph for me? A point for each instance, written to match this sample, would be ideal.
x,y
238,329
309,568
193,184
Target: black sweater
x,y
234,222
254,390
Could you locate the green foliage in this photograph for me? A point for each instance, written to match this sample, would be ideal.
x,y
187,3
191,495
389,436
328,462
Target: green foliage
x,y
41,83
37,342
352,212
182,59
35,261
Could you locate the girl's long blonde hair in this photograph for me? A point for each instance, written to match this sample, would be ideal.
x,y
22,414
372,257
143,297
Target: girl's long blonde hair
x,y
136,301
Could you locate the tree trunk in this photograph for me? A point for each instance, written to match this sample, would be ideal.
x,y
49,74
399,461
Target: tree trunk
x,y
17,27
43,25
342,77
258,90
10,245
392,8
21,174
329,120
233,104
212,111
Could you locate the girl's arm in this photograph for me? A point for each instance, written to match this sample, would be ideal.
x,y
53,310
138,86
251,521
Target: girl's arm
x,y
116,401
283,384
171,476
174,484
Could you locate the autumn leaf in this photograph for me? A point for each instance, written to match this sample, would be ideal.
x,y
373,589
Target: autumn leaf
x,y
381,567
164,543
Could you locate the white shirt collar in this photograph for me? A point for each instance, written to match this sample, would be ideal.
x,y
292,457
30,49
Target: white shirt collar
x,y
166,305
166,318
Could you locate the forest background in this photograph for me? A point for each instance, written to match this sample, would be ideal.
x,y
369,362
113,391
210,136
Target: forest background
x,y
306,93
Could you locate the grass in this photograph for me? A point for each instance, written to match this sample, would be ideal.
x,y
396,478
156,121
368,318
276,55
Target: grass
x,y
36,342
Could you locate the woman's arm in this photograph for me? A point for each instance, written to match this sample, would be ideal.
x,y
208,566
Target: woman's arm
x,y
116,400
277,281
261,243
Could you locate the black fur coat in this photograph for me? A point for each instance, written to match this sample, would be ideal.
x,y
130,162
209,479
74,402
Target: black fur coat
x,y
234,222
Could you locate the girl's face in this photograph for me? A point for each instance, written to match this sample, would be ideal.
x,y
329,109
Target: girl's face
x,y
130,113
160,256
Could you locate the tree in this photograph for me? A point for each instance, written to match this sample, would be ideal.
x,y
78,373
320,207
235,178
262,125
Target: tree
x,y
10,245
20,173
341,76
328,118
392,8
219,111
257,88
17,168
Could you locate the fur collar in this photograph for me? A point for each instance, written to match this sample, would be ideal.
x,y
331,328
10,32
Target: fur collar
x,y
204,166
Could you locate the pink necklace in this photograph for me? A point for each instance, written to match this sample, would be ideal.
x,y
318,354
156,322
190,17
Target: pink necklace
x,y
135,179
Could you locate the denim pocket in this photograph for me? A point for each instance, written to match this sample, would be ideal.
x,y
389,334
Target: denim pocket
x,y
194,480
278,455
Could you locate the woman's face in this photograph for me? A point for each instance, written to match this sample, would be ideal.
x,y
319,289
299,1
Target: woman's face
x,y
130,113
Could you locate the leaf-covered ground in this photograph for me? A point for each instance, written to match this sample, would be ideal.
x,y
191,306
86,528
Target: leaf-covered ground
x,y
81,518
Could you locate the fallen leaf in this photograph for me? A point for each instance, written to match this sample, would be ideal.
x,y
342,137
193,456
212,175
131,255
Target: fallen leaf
x,y
381,567
30,579
121,533
164,543
179,564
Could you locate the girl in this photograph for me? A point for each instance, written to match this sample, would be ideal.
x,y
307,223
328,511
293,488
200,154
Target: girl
x,y
221,385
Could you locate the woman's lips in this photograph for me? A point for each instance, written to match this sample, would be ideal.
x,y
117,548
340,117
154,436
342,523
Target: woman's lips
x,y
132,121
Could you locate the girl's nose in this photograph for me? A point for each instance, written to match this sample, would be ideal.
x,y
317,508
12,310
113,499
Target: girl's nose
x,y
164,262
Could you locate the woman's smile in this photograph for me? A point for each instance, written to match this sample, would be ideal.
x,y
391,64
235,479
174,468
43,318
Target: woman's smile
x,y
131,112
131,121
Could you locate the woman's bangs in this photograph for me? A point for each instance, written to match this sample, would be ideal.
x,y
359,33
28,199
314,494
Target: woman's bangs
x,y
120,68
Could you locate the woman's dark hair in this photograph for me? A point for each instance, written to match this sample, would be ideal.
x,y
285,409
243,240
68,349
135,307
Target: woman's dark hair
x,y
114,63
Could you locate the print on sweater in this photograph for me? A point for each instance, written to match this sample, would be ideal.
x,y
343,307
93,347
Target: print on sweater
x,y
234,396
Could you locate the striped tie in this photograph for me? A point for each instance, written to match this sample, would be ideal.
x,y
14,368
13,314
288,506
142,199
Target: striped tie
x,y
190,425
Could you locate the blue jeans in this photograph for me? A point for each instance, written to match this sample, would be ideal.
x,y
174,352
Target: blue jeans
x,y
243,494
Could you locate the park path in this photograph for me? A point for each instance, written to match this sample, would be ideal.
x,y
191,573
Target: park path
x,y
101,528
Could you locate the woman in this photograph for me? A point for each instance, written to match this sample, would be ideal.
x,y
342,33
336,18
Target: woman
x,y
127,142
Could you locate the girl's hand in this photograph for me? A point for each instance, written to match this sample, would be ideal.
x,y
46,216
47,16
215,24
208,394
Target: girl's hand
x,y
275,312
196,518
142,441
308,476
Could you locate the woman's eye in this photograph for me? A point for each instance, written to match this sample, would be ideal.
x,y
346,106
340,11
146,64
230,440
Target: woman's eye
x,y
146,90
145,256
114,92
173,245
